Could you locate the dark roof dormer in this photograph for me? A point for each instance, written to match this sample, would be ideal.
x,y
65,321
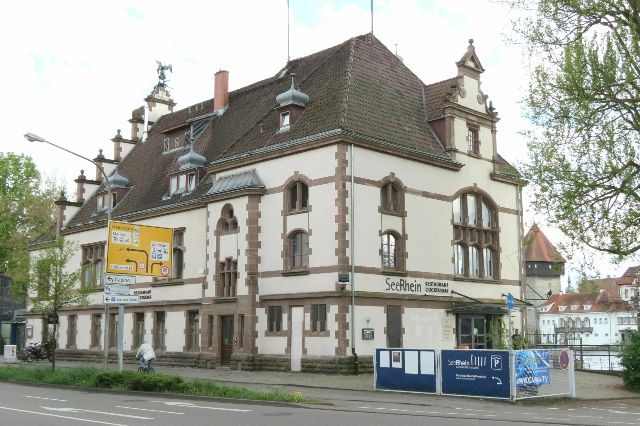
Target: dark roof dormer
x,y
291,104
118,181
191,160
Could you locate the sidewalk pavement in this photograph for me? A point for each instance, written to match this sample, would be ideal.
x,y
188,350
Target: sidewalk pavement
x,y
589,386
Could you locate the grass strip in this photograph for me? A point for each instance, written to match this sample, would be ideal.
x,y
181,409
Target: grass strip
x,y
134,381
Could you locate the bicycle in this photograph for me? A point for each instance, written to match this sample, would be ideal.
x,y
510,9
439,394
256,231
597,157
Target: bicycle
x,y
146,367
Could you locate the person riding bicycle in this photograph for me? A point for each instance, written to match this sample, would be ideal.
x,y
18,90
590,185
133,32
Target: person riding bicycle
x,y
145,355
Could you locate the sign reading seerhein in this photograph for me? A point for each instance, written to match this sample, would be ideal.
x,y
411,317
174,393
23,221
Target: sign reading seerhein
x,y
418,287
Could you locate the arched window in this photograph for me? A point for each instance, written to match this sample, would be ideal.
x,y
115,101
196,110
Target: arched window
x,y
228,221
391,195
389,251
475,236
606,320
586,322
298,250
389,198
561,322
178,257
298,196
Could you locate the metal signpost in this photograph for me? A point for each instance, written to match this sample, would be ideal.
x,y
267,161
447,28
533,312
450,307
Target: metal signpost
x,y
134,249
510,304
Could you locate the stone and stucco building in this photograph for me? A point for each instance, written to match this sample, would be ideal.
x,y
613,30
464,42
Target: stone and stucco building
x,y
342,161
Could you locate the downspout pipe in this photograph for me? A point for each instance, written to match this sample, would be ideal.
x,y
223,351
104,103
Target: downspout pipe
x,y
353,265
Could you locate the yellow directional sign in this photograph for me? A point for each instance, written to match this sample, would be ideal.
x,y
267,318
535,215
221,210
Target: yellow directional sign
x,y
134,249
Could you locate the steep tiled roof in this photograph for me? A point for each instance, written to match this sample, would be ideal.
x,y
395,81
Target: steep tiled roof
x,y
436,95
607,284
357,88
538,248
629,275
600,301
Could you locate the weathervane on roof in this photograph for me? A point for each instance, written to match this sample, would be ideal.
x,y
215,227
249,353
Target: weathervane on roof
x,y
162,77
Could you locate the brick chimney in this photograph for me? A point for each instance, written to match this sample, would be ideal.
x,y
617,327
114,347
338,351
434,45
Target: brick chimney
x,y
221,92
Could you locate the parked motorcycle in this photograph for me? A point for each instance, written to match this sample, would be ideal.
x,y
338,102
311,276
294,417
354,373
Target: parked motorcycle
x,y
36,352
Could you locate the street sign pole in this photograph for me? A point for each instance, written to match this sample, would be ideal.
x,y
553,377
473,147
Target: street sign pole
x,y
120,335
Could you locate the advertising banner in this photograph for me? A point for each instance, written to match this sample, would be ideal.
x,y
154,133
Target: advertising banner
x,y
476,373
406,370
134,249
532,368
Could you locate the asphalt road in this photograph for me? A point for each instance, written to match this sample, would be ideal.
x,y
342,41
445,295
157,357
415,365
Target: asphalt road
x,y
39,405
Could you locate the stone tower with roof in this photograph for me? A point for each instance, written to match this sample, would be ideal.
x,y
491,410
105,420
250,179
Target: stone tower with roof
x,y
544,266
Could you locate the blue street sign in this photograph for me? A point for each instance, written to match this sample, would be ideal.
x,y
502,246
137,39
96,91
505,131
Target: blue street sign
x,y
510,301
476,373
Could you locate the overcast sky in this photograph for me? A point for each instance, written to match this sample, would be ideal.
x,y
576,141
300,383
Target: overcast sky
x,y
72,71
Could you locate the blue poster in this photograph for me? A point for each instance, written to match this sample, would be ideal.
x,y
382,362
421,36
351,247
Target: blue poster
x,y
532,368
476,373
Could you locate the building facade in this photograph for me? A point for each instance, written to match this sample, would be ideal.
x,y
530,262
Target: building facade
x,y
335,207
596,318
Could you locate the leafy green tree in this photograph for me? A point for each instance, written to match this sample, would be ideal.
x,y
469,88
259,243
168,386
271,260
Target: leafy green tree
x,y
26,211
584,97
51,288
630,360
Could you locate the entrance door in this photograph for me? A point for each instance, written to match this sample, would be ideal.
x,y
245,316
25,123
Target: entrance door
x,y
227,339
394,327
472,331
297,318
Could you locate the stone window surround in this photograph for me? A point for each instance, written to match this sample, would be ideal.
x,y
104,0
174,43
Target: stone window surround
x,y
187,331
96,331
482,196
288,268
91,254
296,180
396,183
71,337
401,254
283,332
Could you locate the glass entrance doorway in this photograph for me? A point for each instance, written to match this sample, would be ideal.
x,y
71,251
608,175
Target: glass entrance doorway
x,y
472,331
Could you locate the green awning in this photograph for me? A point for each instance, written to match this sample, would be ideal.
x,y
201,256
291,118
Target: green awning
x,y
480,309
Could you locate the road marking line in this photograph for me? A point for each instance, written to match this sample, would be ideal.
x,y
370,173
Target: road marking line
x,y
553,408
61,417
147,409
75,410
590,417
190,405
49,399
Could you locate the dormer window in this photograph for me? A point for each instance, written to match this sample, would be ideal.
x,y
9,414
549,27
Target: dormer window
x,y
182,183
167,146
284,120
587,307
102,201
574,307
562,308
187,138
177,143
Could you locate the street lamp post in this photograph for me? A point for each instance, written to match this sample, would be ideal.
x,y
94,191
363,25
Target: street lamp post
x,y
35,138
